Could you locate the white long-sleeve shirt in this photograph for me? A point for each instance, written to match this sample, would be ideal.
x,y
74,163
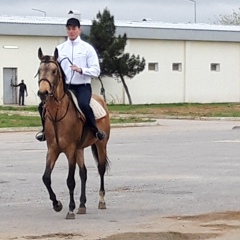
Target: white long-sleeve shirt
x,y
81,54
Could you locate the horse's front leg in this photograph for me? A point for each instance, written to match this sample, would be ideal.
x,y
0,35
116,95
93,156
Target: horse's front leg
x,y
71,186
50,162
83,177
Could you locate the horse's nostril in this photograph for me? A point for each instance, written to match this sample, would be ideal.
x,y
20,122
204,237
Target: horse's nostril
x,y
39,93
42,95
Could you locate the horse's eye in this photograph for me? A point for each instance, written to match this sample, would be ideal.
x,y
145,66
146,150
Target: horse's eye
x,y
54,72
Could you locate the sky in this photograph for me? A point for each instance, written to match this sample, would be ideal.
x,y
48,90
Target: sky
x,y
171,11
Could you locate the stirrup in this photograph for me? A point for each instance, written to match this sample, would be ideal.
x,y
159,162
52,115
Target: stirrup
x,y
40,136
100,135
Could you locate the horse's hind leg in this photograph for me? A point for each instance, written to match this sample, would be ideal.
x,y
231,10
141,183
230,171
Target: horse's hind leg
x,y
102,203
100,155
50,162
83,177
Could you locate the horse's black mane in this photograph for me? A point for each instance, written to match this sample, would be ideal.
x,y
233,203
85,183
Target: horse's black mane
x,y
63,78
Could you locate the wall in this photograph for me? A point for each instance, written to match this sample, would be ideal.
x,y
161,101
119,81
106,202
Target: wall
x,y
160,86
195,83
204,85
25,59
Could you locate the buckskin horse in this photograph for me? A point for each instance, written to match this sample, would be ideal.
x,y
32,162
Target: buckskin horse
x,y
66,132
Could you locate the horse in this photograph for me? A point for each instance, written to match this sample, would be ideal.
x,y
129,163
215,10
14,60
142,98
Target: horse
x,y
67,132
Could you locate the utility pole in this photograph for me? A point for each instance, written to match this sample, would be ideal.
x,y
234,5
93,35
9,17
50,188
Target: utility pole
x,y
195,10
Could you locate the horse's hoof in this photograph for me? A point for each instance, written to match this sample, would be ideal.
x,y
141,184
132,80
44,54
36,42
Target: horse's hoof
x,y
58,207
101,205
81,210
70,215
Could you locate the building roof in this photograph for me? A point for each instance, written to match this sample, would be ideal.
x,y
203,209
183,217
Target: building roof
x,y
53,26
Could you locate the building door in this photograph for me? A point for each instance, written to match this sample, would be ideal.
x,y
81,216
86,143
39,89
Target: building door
x,y
9,92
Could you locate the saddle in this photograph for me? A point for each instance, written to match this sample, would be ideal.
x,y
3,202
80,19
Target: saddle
x,y
98,110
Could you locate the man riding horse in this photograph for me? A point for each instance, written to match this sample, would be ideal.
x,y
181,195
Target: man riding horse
x,y
79,62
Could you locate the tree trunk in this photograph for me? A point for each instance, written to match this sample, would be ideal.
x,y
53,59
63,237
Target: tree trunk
x,y
126,90
102,89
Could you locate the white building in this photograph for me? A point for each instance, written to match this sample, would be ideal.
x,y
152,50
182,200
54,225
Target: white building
x,y
184,62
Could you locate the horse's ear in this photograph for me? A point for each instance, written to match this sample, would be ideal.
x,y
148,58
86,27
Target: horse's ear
x,y
55,54
40,54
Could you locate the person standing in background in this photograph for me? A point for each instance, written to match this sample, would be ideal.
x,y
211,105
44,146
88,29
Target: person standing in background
x,y
22,89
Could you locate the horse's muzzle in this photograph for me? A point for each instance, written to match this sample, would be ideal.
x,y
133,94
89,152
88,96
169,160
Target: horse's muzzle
x,y
43,95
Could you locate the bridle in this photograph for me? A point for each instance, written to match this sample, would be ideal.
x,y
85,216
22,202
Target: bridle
x,y
54,117
53,85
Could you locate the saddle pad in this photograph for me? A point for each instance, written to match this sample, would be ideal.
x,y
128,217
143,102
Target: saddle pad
x,y
98,110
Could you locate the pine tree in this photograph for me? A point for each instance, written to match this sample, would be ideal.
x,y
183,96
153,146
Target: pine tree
x,y
114,62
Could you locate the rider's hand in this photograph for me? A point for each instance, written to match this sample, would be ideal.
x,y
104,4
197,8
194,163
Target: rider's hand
x,y
77,69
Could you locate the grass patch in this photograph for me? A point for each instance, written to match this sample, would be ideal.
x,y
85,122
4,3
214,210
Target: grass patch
x,y
15,120
182,108
131,120
19,108
131,113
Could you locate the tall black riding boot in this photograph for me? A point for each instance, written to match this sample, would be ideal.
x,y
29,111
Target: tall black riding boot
x,y
40,136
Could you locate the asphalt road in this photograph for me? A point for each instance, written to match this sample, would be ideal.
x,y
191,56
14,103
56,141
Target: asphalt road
x,y
181,167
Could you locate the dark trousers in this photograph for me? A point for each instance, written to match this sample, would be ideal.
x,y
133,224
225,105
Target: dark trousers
x,y
83,93
21,98
40,110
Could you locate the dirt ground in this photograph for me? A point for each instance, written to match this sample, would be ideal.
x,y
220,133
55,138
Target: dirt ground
x,y
219,225
189,111
211,226
160,236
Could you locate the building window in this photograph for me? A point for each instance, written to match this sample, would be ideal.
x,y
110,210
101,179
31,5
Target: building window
x,y
177,67
153,66
215,67
10,47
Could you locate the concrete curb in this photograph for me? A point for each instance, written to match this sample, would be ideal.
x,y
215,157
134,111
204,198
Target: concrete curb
x,y
37,129
119,125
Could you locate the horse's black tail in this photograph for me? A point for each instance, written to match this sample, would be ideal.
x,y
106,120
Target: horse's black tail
x,y
95,155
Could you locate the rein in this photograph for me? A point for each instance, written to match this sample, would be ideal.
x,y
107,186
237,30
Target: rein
x,y
73,72
54,119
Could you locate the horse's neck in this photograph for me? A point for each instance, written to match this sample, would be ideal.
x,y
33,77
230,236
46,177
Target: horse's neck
x,y
60,91
60,97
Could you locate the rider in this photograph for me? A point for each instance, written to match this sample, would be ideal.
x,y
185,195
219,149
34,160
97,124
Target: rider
x,y
80,64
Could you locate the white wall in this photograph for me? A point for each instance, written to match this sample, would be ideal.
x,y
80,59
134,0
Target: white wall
x,y
204,85
195,83
113,90
25,59
164,85
147,87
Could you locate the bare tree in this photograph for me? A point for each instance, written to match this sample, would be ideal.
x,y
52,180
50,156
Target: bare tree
x,y
231,19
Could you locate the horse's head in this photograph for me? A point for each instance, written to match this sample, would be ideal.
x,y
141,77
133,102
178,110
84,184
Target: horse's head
x,y
49,74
